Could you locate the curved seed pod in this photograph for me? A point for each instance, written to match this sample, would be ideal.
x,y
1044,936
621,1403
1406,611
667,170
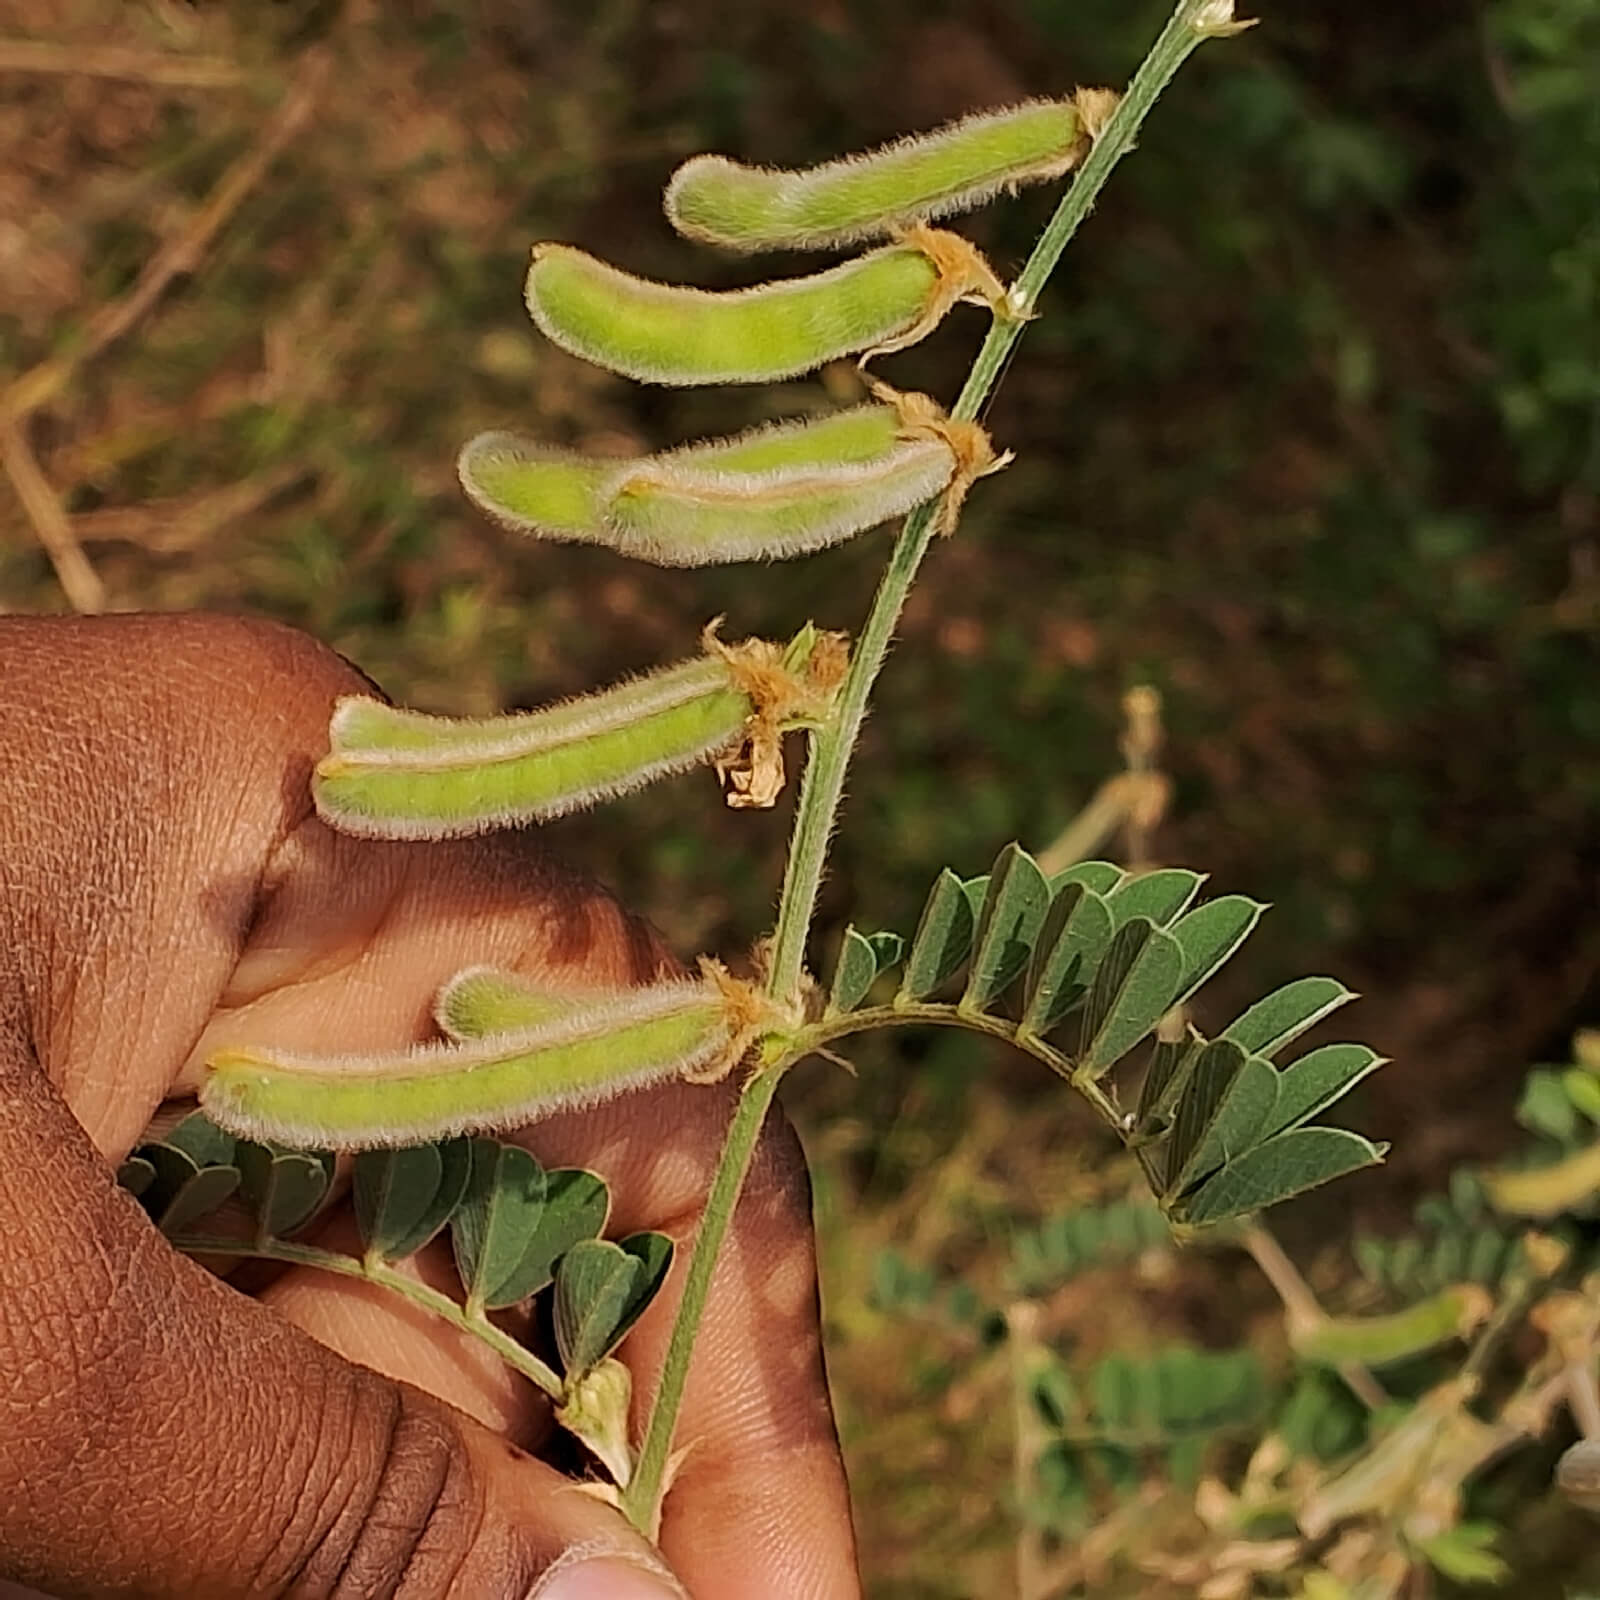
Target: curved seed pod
x,y
618,1043
1546,1191
1379,1341
405,775
482,1001
928,175
663,333
677,514
555,494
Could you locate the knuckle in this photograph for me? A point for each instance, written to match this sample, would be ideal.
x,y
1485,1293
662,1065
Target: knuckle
x,y
401,1522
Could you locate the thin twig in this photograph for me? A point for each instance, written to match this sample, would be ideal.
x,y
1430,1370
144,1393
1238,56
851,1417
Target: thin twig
x,y
111,61
1302,1306
79,581
178,256
168,527
1027,1444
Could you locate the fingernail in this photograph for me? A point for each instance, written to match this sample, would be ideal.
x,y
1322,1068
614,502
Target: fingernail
x,y
605,1578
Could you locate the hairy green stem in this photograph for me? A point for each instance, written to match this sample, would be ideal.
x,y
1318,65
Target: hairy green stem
x,y
831,745
513,1354
641,1500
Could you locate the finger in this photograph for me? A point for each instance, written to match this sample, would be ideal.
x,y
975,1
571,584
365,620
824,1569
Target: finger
x,y
166,1437
760,1506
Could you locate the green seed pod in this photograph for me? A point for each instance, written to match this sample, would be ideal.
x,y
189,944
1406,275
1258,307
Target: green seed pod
x,y
613,1044
404,775
662,333
1546,1191
867,196
1380,1341
482,1001
772,492
675,513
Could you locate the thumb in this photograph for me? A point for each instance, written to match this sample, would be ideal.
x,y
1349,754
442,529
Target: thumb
x,y
163,1436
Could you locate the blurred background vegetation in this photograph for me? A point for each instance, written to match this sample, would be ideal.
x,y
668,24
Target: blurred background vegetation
x,y
1308,439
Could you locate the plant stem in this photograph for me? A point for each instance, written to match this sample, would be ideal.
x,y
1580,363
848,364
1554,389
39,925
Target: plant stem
x,y
513,1354
831,745
936,1015
641,1500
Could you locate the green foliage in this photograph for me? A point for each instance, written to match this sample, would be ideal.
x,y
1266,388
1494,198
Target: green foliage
x,y
517,1230
1222,1132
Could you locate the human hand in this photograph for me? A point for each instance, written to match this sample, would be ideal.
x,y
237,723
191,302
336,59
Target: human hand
x,y
164,890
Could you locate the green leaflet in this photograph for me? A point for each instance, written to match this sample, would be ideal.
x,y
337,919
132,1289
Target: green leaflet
x,y
1286,1013
616,1043
577,1205
1232,1108
1014,906
602,1289
1171,1062
1074,937
862,957
661,333
1285,1165
942,940
1101,876
404,775
285,1188
1134,986
823,478
494,1224
860,197
1159,896
404,1197
1210,934
1310,1085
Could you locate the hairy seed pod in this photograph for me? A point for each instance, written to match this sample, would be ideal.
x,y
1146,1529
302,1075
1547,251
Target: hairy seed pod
x,y
481,1001
395,774
915,179
675,513
554,494
614,1044
663,333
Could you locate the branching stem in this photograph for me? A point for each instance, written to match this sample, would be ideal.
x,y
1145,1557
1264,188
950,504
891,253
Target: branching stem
x,y
823,786
377,1271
